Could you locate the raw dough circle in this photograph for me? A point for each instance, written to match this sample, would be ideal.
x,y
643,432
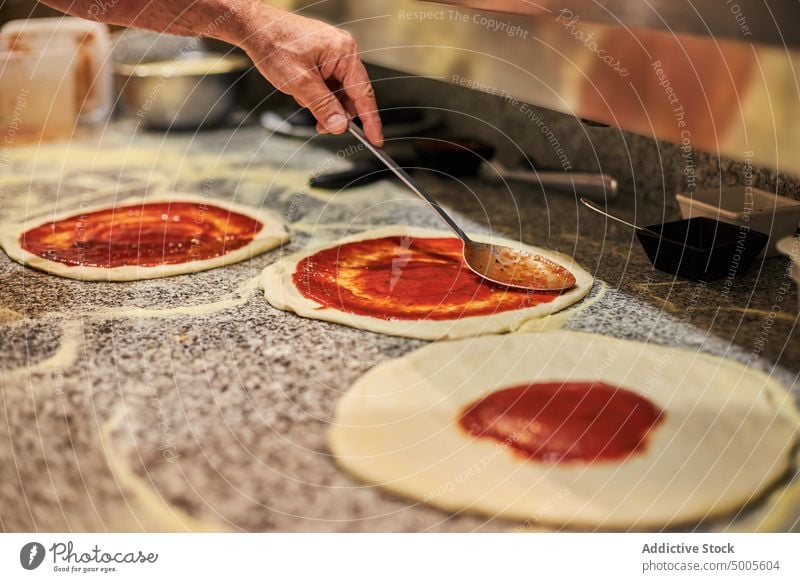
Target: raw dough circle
x,y
281,293
727,433
273,234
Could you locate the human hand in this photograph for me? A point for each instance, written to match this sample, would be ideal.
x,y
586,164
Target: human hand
x,y
318,65
314,62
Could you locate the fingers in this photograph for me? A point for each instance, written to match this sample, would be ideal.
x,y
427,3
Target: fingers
x,y
360,94
323,104
338,87
332,107
349,108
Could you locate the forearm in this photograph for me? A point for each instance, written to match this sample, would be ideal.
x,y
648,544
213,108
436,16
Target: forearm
x,y
228,20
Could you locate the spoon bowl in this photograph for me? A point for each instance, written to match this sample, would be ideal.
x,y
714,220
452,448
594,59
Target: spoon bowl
x,y
516,268
496,263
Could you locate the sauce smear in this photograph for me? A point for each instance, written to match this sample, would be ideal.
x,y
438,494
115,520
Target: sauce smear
x,y
407,278
142,235
564,421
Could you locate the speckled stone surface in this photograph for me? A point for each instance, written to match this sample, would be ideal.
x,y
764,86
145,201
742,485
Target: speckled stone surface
x,y
155,419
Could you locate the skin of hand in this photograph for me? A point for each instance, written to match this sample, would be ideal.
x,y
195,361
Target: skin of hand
x,y
316,63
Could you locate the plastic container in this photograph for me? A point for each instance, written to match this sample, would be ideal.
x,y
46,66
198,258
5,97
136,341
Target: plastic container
x,y
37,95
94,81
701,249
759,210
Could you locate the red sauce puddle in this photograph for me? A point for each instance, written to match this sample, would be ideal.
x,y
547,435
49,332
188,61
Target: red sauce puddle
x,y
405,278
142,235
564,421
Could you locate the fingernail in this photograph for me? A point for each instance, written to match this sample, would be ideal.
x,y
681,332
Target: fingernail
x,y
336,123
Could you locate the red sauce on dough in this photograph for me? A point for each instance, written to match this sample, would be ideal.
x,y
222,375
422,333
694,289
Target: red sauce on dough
x,y
142,235
405,278
569,421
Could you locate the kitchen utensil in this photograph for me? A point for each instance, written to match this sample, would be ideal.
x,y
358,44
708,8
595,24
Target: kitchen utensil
x,y
698,249
397,122
360,173
453,157
37,92
635,227
468,157
94,84
790,246
598,187
744,206
499,264
176,83
187,93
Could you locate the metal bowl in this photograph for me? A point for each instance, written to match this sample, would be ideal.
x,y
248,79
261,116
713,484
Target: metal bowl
x,y
176,83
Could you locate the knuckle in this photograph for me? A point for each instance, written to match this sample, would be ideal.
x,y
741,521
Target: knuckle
x,y
347,42
324,103
368,91
362,91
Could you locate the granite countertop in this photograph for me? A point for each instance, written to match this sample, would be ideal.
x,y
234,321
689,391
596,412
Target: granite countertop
x,y
125,410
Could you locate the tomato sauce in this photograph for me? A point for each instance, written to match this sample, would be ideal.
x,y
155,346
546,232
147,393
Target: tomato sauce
x,y
410,278
142,235
564,421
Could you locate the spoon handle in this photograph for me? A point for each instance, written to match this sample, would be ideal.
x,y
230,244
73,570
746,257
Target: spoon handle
x,y
588,204
407,180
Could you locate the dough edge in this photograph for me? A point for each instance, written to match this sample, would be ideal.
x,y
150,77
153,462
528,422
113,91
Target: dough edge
x,y
281,293
781,400
273,234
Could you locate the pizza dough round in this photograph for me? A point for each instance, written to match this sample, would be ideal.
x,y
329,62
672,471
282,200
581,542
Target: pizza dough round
x,y
726,435
273,234
281,292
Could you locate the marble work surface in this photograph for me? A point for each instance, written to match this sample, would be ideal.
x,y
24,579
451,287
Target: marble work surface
x,y
190,404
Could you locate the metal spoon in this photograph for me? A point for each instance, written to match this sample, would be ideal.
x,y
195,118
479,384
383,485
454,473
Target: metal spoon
x,y
496,263
588,204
